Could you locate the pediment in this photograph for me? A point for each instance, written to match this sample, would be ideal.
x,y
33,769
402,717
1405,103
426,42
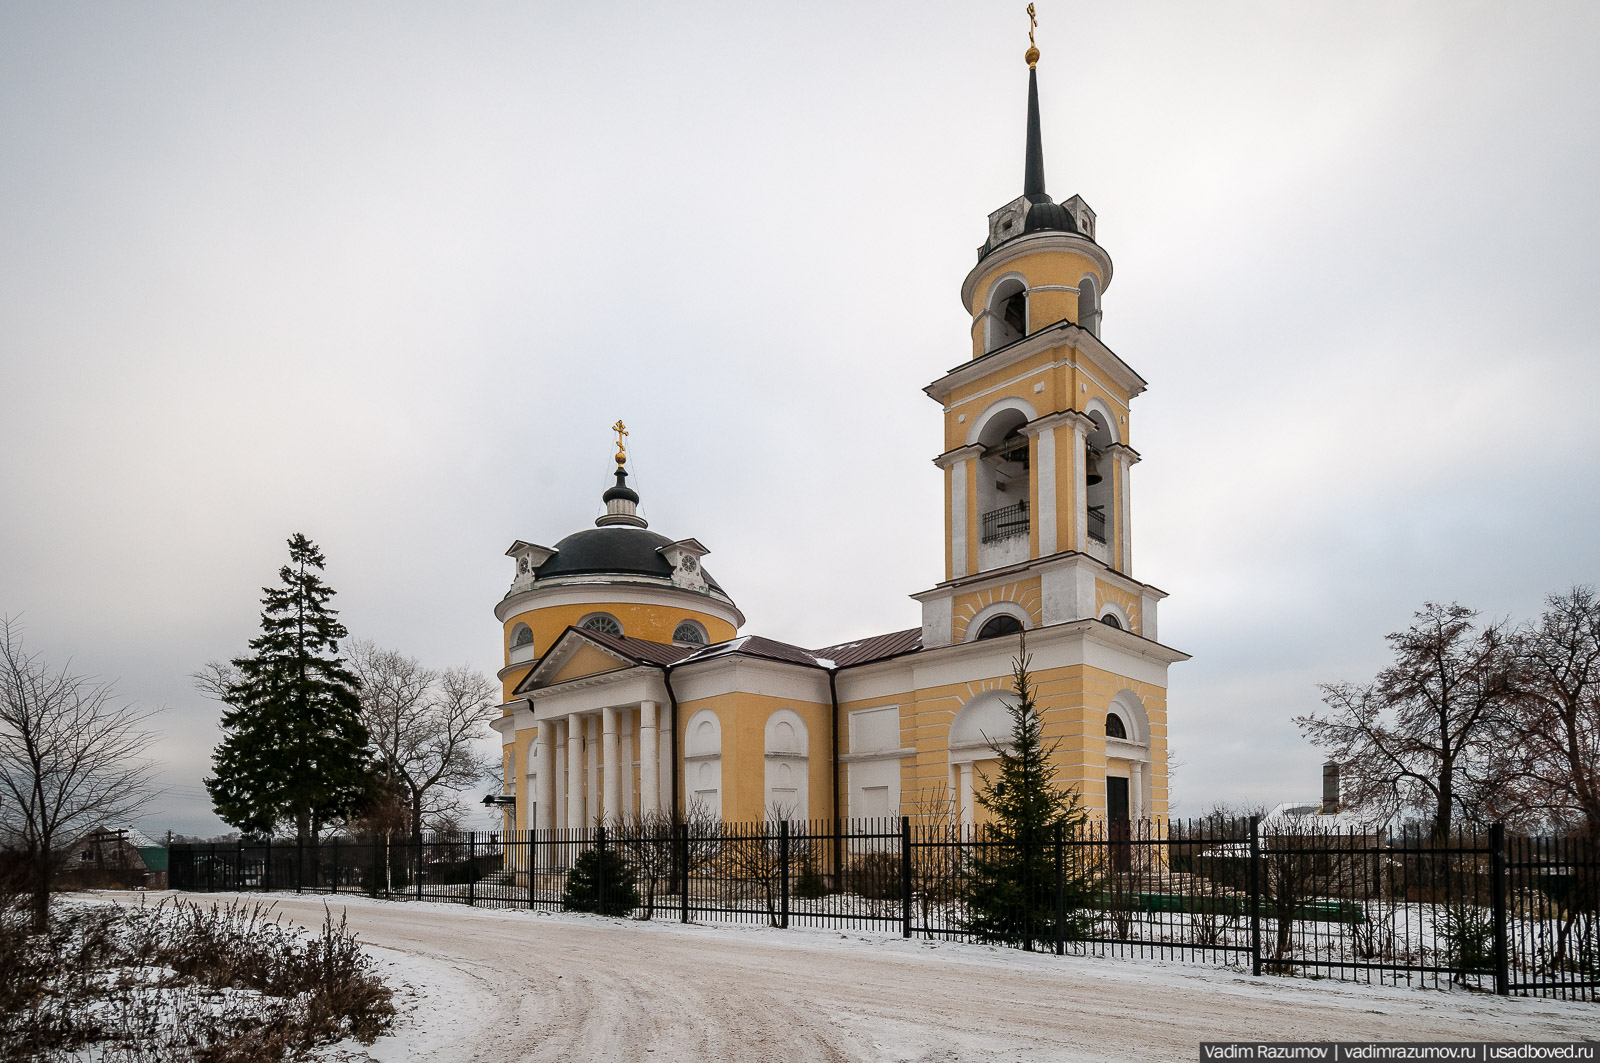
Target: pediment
x,y
574,657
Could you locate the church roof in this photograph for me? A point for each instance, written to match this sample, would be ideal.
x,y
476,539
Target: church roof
x,y
617,549
875,648
841,655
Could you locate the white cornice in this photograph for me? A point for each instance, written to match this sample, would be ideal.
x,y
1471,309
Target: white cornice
x,y
601,589
950,457
1059,334
1032,243
1053,420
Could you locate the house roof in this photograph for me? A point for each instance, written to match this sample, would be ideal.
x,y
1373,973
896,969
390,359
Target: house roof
x,y
873,648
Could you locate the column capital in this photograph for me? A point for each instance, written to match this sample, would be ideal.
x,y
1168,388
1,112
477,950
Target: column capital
x,y
1057,420
1123,453
958,455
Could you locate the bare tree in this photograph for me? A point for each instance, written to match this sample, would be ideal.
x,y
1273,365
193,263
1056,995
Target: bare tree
x,y
423,724
1551,763
70,757
1417,736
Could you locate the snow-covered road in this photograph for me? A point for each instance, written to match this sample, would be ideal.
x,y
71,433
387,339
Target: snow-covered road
x,y
503,986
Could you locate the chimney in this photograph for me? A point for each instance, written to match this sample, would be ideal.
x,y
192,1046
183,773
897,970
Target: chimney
x,y
1330,788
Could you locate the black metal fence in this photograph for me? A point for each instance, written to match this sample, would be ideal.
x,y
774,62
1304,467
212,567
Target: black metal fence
x,y
1508,914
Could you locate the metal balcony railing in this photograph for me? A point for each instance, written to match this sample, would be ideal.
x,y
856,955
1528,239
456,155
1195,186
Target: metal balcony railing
x,y
1097,523
1006,523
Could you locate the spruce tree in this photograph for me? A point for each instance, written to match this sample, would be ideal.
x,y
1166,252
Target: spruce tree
x,y
294,749
1011,882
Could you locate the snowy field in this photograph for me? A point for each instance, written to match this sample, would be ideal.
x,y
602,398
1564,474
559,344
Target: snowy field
x,y
488,986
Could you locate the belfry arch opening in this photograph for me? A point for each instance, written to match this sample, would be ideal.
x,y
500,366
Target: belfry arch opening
x,y
1099,479
1003,471
1007,320
1089,304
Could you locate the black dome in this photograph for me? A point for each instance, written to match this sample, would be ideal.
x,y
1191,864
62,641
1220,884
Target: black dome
x,y
1049,217
613,550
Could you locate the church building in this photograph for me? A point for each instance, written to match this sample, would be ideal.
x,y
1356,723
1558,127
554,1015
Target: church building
x,y
629,688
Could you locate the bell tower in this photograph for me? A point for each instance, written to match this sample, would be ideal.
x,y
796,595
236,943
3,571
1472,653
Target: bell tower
x,y
1037,450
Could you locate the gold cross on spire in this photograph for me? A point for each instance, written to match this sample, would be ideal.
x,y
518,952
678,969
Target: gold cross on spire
x,y
622,448
1033,53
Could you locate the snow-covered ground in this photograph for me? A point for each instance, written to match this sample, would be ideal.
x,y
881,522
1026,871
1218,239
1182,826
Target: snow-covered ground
x,y
487,986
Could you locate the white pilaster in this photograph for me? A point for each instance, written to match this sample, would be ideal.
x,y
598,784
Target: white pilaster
x,y
544,761
665,764
649,760
1045,474
591,748
575,816
1135,791
1125,461
611,805
558,753
965,789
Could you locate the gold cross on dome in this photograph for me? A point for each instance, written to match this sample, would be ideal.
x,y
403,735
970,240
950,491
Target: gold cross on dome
x,y
1032,22
622,448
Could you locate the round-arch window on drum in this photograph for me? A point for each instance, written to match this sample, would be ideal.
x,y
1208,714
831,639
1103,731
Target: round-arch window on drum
x,y
689,633
1004,624
604,623
522,635
1115,728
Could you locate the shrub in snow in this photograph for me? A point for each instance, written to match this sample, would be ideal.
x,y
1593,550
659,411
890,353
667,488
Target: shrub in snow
x,y
583,893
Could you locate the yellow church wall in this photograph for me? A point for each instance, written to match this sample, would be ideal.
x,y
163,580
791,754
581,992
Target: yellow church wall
x,y
964,607
742,717
1074,701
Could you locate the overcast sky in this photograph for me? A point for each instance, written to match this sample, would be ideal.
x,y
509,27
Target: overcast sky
x,y
385,274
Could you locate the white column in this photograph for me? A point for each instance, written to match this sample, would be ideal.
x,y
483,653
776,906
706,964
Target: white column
x,y
611,806
966,794
958,519
1135,791
591,747
625,810
544,761
575,819
1080,490
1125,460
649,760
1045,474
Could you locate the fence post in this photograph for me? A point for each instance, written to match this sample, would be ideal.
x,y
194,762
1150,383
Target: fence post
x,y
334,871
211,870
1061,895
238,866
416,874
1497,893
600,869
299,862
783,874
266,870
377,868
905,876
472,869
532,836
683,872
1255,895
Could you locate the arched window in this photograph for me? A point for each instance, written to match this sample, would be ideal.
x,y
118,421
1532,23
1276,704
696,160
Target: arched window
x,y
1004,624
604,623
689,633
521,635
1089,304
1098,477
1110,620
1007,320
1115,727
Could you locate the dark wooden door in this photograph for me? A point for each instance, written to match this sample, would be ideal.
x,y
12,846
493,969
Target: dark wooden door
x,y
1117,800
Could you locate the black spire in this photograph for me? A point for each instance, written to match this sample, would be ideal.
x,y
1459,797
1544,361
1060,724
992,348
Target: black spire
x,y
1033,175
